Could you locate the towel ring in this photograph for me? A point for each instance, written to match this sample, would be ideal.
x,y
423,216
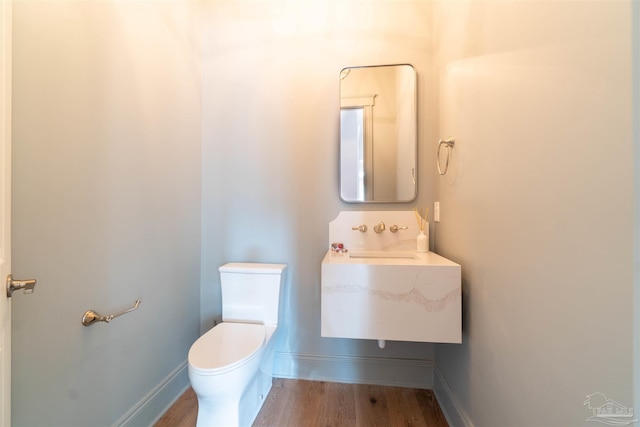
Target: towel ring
x,y
449,143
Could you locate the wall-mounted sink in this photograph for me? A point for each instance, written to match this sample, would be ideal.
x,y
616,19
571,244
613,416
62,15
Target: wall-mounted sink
x,y
391,293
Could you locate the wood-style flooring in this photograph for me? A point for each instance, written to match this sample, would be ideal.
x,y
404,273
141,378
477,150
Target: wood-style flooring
x,y
298,403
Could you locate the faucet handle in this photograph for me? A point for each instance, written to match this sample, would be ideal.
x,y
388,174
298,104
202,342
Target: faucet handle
x,y
394,228
362,228
379,228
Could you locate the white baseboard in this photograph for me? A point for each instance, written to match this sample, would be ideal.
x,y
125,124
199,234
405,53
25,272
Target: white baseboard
x,y
152,406
353,369
451,406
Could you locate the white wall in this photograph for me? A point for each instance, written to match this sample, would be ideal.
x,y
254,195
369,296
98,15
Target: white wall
x,y
106,208
107,159
270,97
538,207
635,11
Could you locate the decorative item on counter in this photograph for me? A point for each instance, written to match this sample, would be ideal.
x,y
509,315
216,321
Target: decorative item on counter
x,y
338,247
422,241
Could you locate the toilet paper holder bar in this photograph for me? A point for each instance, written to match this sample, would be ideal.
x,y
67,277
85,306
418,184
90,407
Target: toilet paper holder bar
x,y
90,316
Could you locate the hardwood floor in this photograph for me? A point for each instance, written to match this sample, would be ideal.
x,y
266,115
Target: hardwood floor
x,y
298,403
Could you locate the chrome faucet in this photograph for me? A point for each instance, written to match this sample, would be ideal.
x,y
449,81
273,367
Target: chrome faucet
x,y
394,228
362,228
379,228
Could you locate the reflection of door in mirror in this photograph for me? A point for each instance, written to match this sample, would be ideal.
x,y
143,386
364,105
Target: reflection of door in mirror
x,y
352,153
356,130
378,134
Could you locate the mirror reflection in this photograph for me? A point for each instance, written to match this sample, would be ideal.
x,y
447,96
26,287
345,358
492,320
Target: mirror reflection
x,y
378,134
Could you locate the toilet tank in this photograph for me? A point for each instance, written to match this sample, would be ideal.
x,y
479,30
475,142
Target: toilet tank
x,y
251,292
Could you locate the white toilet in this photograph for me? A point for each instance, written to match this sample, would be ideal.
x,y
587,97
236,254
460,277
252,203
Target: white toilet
x,y
225,363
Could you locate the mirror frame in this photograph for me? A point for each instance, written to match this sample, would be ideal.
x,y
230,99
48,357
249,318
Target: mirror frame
x,y
365,100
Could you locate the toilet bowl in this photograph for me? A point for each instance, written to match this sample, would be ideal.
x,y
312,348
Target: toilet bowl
x,y
222,363
226,364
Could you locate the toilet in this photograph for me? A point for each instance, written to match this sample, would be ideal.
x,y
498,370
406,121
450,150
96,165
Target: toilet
x,y
228,365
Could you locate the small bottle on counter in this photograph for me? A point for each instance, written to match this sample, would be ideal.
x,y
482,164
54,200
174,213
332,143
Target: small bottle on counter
x,y
422,241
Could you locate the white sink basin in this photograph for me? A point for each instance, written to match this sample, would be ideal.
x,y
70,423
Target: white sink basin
x,y
381,254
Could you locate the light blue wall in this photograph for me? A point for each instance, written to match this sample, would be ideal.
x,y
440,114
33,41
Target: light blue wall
x,y
270,107
155,141
538,207
118,108
636,137
106,208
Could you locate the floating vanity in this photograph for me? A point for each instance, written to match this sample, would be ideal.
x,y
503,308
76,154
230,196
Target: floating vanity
x,y
381,288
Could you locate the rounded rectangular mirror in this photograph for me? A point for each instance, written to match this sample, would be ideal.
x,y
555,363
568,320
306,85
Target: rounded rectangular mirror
x,y
378,134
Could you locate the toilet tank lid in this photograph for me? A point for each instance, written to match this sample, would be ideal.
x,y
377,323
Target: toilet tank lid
x,y
252,268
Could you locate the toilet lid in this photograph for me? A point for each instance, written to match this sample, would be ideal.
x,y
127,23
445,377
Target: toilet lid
x,y
226,344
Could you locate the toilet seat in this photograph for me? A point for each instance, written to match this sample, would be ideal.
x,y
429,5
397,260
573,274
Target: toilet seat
x,y
226,346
